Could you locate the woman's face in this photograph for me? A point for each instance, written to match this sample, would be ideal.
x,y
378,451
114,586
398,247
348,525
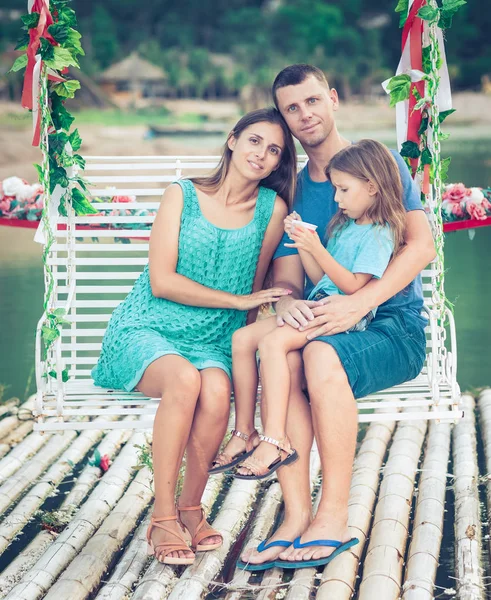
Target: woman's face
x,y
258,150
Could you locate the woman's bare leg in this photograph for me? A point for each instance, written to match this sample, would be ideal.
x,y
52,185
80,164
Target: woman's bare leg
x,y
295,479
178,383
275,378
209,425
244,370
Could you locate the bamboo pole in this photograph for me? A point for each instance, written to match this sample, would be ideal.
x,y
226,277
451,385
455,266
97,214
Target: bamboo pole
x,y
338,579
89,476
33,468
83,575
384,561
159,579
19,517
129,567
111,487
21,453
9,407
8,424
15,437
468,568
424,550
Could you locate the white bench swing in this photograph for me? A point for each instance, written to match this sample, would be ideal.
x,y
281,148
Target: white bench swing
x,y
92,277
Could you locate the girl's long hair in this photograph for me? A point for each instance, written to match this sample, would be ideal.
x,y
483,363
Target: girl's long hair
x,y
282,180
369,160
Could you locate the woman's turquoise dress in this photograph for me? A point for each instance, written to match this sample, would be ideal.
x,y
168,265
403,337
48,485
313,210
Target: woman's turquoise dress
x,y
143,328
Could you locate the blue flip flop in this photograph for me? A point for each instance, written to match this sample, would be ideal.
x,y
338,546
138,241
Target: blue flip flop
x,y
302,564
266,565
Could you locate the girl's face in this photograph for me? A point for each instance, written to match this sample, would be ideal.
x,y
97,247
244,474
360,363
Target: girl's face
x,y
258,150
353,196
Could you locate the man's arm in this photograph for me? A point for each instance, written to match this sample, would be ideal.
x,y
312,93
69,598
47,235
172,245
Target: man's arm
x,y
339,313
288,273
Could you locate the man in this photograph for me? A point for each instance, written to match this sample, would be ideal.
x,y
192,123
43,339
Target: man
x,y
389,352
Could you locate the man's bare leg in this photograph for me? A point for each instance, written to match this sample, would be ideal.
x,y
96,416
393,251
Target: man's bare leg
x,y
335,419
294,479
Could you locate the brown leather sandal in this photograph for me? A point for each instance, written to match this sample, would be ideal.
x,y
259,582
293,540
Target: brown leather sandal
x,y
168,547
258,469
219,466
202,532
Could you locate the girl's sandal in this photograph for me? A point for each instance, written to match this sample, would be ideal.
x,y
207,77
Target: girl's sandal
x,y
223,462
258,469
165,548
202,531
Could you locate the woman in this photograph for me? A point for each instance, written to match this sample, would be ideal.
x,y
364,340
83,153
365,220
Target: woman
x,y
210,247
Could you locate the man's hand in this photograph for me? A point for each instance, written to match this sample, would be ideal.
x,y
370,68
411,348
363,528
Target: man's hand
x,y
334,314
294,312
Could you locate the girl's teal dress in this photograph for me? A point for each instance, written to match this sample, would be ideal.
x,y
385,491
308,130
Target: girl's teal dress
x,y
143,328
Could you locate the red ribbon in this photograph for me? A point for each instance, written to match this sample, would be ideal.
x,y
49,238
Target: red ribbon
x,y
413,28
35,35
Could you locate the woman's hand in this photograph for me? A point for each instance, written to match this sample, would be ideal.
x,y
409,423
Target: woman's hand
x,y
288,222
305,239
250,301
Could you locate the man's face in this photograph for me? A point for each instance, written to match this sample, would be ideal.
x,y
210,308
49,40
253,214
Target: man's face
x,y
308,108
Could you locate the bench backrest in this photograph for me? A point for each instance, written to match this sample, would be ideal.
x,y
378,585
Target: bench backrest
x,y
105,263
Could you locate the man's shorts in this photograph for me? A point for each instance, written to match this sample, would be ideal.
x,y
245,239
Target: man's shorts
x,y
389,352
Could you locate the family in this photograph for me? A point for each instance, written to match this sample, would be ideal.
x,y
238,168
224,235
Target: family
x,y
342,245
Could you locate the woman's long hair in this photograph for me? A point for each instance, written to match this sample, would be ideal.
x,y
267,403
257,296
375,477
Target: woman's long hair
x,y
369,160
282,180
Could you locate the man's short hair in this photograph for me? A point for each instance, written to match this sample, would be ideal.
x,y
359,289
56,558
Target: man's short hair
x,y
295,74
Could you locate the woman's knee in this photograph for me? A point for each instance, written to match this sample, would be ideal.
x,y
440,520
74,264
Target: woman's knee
x,y
215,393
186,384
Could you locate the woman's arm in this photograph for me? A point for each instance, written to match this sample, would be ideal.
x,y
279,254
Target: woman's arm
x,y
272,237
166,283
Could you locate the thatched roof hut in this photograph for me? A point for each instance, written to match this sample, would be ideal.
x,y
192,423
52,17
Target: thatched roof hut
x,y
135,76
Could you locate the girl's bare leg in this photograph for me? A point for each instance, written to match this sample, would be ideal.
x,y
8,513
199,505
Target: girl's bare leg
x,y
244,371
275,377
178,383
295,479
209,425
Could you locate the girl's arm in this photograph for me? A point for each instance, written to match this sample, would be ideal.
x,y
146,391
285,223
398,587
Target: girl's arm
x,y
166,283
311,266
345,280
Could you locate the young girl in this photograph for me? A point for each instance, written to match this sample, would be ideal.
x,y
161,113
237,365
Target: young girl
x,y
365,233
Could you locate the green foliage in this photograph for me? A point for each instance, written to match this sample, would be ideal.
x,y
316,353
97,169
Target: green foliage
x,y
447,11
410,150
444,114
30,20
20,63
402,7
66,89
428,13
445,163
144,457
62,119
81,204
399,87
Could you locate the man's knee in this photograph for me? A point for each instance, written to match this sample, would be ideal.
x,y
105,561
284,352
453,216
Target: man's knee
x,y
322,367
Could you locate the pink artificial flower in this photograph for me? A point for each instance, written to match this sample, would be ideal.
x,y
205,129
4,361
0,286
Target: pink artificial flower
x,y
476,211
105,462
123,199
5,205
486,205
456,210
456,192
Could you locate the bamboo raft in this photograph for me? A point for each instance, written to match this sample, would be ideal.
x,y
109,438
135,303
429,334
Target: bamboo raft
x,y
405,499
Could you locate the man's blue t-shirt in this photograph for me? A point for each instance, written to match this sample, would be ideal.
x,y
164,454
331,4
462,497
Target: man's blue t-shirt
x,y
314,202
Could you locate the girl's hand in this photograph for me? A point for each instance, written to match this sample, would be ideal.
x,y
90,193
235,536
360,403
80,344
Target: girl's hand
x,y
305,239
250,301
288,222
